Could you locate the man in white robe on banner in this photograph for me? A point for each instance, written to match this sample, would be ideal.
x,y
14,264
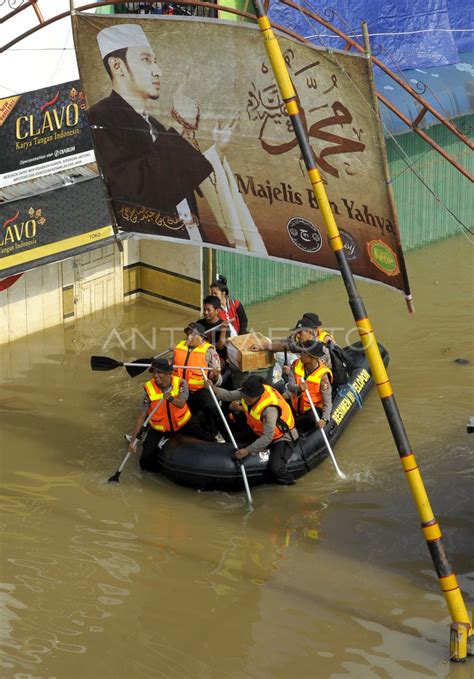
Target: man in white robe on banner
x,y
153,172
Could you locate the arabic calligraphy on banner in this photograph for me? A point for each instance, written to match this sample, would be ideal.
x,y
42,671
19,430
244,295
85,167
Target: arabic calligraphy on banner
x,y
197,144
266,105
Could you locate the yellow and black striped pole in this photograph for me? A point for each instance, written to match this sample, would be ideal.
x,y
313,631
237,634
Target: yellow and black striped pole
x,y
461,629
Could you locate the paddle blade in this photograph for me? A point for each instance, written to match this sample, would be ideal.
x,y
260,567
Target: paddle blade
x,y
134,371
104,363
115,477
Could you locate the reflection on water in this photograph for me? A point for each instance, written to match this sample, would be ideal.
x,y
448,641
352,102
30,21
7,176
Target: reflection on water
x,y
70,598
326,579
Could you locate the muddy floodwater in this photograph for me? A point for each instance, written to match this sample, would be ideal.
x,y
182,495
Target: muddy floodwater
x,y
324,579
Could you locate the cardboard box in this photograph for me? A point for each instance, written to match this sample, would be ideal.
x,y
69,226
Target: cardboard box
x,y
239,354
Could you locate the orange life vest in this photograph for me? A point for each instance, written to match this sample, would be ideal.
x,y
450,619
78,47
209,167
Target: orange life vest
x,y
322,334
313,381
193,359
270,397
168,417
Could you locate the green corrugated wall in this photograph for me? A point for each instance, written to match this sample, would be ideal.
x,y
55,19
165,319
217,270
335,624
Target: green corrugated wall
x,y
423,216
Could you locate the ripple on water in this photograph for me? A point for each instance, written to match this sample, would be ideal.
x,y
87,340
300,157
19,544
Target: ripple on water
x,y
391,651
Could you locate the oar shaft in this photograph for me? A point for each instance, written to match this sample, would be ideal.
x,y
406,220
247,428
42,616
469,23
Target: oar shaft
x,y
188,367
115,477
147,365
155,409
246,483
217,327
234,443
124,462
326,440
136,365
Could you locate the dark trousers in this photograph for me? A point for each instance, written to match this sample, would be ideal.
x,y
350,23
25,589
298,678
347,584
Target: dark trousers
x,y
306,421
280,453
202,406
151,450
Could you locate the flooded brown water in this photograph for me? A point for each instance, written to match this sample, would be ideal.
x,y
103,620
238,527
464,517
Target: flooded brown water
x,y
326,579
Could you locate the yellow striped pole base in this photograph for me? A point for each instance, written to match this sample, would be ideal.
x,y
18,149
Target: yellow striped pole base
x,y
458,641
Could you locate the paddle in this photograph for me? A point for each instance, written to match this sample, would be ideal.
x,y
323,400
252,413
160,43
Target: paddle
x,y
115,477
229,431
138,369
328,446
133,368
285,365
105,363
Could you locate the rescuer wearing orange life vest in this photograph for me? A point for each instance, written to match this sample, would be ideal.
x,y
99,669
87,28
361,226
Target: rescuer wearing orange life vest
x,y
171,417
270,425
196,352
309,371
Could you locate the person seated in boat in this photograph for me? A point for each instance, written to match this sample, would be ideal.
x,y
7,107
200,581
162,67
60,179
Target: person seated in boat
x,y
311,373
269,424
192,354
232,310
171,417
211,305
217,337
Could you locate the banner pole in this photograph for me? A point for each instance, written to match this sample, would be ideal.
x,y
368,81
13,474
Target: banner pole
x,y
430,527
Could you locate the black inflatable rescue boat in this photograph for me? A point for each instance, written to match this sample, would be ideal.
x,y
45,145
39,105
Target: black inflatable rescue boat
x,y
210,466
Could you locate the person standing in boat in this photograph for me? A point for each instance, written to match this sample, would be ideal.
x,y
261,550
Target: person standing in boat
x,y
310,372
171,417
232,310
307,329
194,353
269,424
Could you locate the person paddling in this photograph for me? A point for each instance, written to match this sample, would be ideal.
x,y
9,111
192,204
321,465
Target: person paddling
x,y
171,417
269,425
309,372
194,353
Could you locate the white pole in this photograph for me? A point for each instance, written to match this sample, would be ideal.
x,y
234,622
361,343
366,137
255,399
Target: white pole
x,y
229,431
316,417
115,477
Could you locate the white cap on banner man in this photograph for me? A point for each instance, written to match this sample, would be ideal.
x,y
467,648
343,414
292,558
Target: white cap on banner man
x,y
121,36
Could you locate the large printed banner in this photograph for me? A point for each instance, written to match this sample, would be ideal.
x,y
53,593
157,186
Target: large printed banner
x,y
42,132
194,142
52,226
